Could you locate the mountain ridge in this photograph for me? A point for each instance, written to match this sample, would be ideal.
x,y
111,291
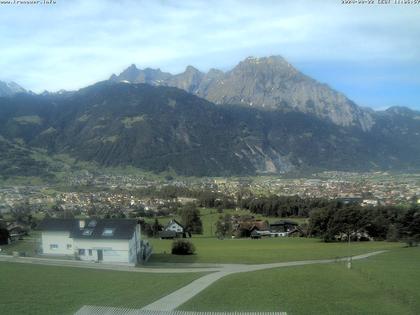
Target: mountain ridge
x,y
269,83
161,129
10,89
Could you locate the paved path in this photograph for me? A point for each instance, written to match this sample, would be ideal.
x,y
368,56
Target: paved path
x,y
179,297
224,269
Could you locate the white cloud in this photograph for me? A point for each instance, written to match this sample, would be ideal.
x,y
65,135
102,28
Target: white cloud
x,y
75,43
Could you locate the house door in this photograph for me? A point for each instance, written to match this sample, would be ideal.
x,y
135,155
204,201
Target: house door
x,y
100,254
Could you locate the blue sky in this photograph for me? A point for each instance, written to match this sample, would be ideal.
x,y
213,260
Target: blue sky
x,y
369,52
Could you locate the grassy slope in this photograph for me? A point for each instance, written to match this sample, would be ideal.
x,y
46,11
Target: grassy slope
x,y
384,284
32,289
211,250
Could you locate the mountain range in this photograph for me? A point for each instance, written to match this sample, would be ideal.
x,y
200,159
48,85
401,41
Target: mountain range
x,y
261,117
269,83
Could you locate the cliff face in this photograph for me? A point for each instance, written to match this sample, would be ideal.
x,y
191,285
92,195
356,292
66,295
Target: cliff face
x,y
269,83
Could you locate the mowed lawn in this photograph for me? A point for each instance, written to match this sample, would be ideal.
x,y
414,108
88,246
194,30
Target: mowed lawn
x,y
385,284
267,250
34,289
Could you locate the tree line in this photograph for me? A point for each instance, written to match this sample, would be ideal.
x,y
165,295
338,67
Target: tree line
x,y
285,206
358,223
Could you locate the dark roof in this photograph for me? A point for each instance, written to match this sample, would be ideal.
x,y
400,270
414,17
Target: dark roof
x,y
93,228
284,222
50,224
252,225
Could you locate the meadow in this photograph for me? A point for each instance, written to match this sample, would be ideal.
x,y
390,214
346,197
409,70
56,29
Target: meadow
x,y
267,250
250,251
385,284
35,289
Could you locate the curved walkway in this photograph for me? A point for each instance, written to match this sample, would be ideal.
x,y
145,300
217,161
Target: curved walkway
x,y
179,297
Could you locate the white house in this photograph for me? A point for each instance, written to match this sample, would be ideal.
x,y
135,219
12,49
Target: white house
x,y
173,230
174,226
99,240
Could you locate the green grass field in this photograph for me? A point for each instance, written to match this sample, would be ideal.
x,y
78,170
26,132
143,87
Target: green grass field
x,y
34,289
248,251
385,284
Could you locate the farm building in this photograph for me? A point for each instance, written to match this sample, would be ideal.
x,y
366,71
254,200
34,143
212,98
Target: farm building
x,y
284,226
99,240
245,228
279,228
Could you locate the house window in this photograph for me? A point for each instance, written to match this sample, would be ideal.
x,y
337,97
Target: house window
x,y
69,246
81,252
53,246
90,252
108,232
87,232
92,224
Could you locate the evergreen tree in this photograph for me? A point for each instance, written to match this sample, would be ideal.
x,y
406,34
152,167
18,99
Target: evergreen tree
x,y
223,226
190,217
156,228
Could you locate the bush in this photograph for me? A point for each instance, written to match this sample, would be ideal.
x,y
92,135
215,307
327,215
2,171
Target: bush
x,y
183,247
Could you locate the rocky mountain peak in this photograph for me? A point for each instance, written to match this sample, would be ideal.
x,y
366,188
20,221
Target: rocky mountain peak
x,y
270,83
10,88
191,69
273,66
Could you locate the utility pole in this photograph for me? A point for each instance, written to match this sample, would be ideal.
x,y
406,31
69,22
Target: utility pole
x,y
349,252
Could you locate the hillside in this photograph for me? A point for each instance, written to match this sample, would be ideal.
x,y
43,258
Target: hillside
x,y
167,129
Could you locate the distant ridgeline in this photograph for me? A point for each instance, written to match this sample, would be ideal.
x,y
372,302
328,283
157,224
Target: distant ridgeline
x,y
267,118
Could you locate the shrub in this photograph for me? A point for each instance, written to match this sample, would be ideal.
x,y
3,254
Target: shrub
x,y
183,247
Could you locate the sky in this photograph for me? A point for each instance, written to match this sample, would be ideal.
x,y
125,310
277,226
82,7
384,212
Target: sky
x,y
371,53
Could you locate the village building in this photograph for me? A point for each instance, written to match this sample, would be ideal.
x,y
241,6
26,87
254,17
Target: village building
x,y
98,240
255,228
173,229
